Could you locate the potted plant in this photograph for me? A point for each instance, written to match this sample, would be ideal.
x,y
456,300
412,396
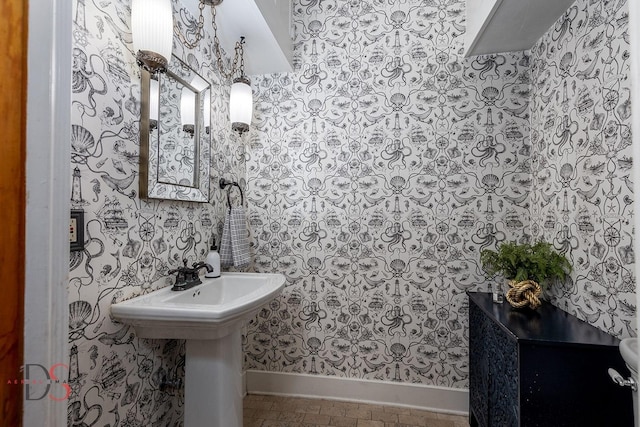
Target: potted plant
x,y
526,267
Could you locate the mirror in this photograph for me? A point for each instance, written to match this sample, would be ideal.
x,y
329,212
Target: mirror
x,y
175,125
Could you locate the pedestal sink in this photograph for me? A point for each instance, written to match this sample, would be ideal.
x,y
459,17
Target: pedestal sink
x,y
629,351
209,316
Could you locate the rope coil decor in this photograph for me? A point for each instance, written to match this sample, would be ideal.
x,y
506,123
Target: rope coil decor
x,y
524,293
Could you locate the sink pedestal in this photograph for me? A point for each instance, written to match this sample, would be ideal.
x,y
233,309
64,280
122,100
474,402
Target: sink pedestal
x,y
213,382
209,317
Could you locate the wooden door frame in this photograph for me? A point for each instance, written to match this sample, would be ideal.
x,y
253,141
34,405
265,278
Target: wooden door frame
x,y
13,85
48,166
47,206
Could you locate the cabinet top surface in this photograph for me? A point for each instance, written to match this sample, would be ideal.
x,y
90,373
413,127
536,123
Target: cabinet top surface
x,y
546,324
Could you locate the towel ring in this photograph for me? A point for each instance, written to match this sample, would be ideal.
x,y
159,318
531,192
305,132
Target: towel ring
x,y
224,183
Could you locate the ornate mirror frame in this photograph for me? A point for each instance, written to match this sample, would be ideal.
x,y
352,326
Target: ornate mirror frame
x,y
175,157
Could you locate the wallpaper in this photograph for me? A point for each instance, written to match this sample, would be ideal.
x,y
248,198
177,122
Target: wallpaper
x,y
130,243
376,173
581,160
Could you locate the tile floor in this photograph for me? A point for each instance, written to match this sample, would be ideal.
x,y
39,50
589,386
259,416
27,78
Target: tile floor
x,y
282,411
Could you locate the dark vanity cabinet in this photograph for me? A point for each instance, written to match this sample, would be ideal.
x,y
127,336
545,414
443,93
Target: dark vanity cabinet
x,y
542,368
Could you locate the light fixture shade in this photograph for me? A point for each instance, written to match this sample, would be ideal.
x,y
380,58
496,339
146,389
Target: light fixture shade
x,y
241,105
152,31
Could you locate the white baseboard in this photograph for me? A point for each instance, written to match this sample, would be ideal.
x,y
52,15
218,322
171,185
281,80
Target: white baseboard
x,y
244,383
427,397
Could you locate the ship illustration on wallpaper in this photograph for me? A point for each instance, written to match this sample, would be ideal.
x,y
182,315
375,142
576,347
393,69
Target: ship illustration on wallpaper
x,y
112,215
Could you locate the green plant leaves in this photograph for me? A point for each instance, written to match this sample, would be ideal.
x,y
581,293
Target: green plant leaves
x,y
538,262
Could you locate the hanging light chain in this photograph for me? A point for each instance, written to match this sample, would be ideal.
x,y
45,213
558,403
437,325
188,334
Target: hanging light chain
x,y
238,51
241,46
199,30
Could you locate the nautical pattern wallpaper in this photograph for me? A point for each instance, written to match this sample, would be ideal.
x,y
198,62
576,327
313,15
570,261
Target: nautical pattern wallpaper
x,y
380,169
581,160
115,376
376,173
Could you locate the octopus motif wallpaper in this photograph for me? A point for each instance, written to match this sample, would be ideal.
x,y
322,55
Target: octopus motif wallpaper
x,y
377,172
130,243
581,160
380,169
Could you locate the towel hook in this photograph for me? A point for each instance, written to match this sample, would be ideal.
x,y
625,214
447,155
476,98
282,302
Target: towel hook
x,y
224,183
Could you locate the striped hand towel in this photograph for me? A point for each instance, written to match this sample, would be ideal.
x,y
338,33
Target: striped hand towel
x,y
234,248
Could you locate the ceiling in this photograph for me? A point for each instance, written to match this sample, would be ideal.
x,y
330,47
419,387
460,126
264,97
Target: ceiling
x,y
265,26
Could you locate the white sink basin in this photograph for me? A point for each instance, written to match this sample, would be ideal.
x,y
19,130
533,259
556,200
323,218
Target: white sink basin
x,y
207,311
629,352
209,316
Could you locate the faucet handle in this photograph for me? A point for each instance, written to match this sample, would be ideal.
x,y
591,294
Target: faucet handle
x,y
183,269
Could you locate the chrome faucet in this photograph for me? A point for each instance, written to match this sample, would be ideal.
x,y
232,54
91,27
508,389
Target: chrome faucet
x,y
188,277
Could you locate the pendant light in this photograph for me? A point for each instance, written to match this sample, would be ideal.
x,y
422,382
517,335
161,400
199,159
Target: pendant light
x,y
207,111
241,99
152,31
240,105
188,111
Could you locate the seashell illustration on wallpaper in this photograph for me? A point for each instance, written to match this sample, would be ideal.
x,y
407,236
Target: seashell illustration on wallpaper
x,y
79,312
81,140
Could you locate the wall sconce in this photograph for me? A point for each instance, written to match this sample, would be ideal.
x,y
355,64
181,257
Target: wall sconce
x,y
154,103
241,97
152,31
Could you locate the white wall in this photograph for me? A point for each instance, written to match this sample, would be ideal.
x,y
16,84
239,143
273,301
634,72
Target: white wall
x,y
47,245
